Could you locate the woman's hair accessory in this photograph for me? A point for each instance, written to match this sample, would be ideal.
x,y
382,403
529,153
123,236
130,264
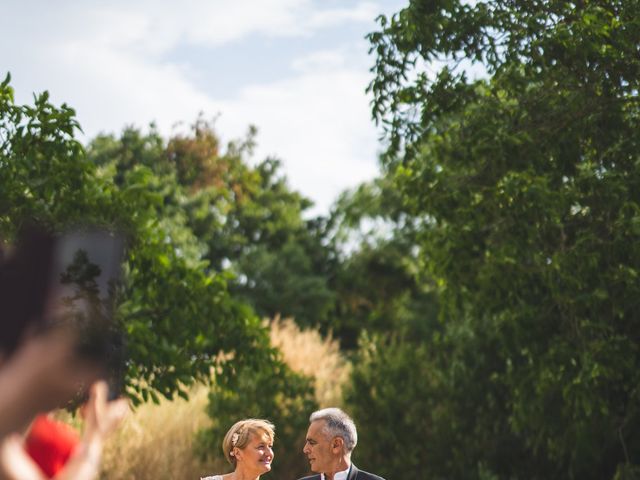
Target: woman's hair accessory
x,y
234,439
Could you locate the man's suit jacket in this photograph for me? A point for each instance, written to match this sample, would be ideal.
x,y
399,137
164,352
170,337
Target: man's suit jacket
x,y
354,474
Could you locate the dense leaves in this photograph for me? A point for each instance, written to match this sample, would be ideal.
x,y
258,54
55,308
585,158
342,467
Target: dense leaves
x,y
43,172
524,185
175,315
377,278
245,220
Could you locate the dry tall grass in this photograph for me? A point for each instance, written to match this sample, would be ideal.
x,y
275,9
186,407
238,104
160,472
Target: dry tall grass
x,y
156,441
305,351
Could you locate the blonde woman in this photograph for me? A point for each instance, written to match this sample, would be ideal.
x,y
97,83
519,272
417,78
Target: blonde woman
x,y
248,447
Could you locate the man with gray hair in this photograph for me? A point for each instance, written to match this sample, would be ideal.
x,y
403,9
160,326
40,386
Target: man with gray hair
x,y
331,438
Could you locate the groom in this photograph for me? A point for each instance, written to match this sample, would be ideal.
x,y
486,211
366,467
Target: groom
x,y
331,438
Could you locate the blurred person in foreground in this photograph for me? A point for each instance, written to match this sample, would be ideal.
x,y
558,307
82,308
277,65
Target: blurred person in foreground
x,y
101,417
331,438
42,366
43,374
248,447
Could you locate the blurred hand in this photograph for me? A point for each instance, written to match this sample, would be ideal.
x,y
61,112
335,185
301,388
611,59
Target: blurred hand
x,y
44,373
15,464
101,415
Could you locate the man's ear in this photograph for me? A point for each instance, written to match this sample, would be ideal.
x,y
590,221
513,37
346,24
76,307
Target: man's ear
x,y
337,443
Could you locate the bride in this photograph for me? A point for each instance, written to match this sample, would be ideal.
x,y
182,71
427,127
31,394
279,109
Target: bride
x,y
248,446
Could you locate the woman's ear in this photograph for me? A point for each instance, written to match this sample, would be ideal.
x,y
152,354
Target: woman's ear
x,y
236,453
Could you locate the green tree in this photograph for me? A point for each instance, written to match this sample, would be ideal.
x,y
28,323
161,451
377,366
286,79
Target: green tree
x,y
377,278
524,183
241,225
43,173
245,219
176,316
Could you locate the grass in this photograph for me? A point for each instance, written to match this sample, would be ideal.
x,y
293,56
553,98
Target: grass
x,y
305,351
156,441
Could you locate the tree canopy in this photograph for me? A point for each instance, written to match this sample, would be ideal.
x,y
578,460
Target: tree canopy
x,y
177,316
523,181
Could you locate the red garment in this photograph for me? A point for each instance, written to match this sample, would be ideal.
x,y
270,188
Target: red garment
x,y
50,443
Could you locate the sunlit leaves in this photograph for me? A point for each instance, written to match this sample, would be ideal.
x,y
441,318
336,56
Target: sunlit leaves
x,y
529,172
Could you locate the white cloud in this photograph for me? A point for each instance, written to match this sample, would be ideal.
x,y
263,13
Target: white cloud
x,y
221,22
121,89
217,22
318,123
156,26
321,60
363,12
108,60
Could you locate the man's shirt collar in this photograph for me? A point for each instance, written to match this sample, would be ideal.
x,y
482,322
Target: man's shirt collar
x,y
339,475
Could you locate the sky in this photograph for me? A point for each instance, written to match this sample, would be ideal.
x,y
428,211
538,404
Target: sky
x,y
296,69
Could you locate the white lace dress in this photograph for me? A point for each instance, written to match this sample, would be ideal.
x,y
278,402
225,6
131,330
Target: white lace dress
x,y
215,477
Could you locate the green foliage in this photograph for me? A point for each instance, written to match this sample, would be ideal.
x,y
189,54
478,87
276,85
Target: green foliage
x,y
271,391
436,404
244,220
523,191
386,381
44,174
284,282
232,225
279,258
176,316
377,277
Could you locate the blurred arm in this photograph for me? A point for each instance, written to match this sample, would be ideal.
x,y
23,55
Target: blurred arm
x,y
42,375
101,419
